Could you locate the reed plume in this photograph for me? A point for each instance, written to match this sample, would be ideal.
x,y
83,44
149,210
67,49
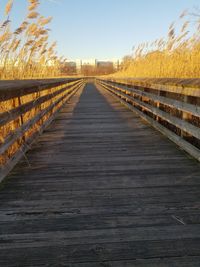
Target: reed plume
x,y
26,51
177,55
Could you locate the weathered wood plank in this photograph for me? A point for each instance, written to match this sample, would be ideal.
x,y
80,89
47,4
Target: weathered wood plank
x,y
107,235
66,255
44,223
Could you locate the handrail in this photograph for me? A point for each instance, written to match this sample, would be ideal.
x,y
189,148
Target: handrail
x,y
10,115
26,108
173,85
172,109
15,88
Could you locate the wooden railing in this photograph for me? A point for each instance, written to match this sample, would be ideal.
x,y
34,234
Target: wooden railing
x,y
26,109
172,106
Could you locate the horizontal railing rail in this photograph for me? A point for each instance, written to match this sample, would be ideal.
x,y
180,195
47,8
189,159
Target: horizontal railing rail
x,y
15,88
170,105
26,109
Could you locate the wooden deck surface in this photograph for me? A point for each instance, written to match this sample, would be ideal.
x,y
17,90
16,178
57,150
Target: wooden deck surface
x,y
101,188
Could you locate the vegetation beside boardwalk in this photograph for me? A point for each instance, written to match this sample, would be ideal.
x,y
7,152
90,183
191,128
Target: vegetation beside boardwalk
x,y
176,56
25,51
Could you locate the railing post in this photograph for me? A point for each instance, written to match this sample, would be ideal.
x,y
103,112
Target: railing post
x,y
19,104
185,117
158,106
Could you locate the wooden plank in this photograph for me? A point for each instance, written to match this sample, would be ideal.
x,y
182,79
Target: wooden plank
x,y
87,254
163,262
89,222
100,236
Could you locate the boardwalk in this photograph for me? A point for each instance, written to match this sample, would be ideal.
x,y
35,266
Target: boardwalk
x,y
101,188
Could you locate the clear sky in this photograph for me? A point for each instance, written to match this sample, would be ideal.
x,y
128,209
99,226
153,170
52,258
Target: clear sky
x,y
105,28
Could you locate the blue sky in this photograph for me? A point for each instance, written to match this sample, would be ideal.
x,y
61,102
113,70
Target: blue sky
x,y
105,28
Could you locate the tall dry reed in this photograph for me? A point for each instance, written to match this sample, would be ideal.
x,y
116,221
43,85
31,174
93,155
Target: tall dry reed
x,y
177,55
26,52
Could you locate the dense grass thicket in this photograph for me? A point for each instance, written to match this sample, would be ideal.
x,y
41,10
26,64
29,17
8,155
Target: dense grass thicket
x,y
25,51
177,55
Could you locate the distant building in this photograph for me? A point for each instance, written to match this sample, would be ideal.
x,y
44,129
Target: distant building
x,y
104,64
117,63
104,67
95,66
91,62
